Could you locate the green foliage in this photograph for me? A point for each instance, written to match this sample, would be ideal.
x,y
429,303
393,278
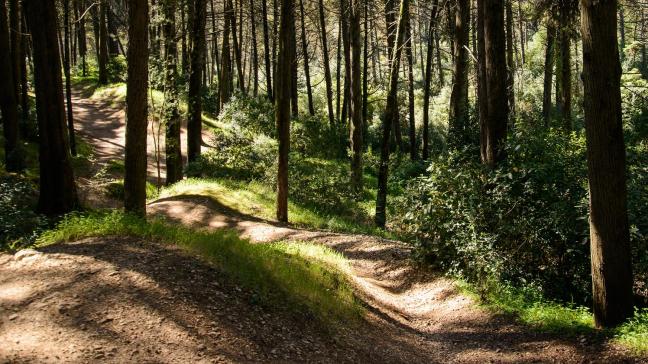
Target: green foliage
x,y
117,67
308,277
115,189
524,222
19,224
634,333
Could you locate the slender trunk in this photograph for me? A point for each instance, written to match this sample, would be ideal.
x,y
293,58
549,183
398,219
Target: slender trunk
x,y
184,66
428,79
609,231
81,36
113,40
16,47
355,127
103,43
493,129
437,47
58,192
66,70
225,89
521,25
24,84
137,110
171,113
337,73
255,55
413,146
266,49
391,111
622,32
565,89
194,119
459,97
294,96
548,73
327,67
365,71
237,49
510,85
311,108
8,102
282,103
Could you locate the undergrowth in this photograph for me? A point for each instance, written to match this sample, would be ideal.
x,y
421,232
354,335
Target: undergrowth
x,y
305,276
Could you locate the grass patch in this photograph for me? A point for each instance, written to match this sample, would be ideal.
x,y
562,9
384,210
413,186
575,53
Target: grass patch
x,y
306,276
634,333
115,189
258,199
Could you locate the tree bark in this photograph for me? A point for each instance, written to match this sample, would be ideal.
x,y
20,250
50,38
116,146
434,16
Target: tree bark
x,y
459,97
309,92
81,35
493,129
225,89
428,79
237,47
171,112
413,145
255,55
548,72
137,108
8,102
103,43
282,103
66,70
327,66
565,89
391,111
266,50
58,192
16,46
510,61
355,127
606,161
194,122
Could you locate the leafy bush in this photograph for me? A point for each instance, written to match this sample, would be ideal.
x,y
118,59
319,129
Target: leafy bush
x,y
19,224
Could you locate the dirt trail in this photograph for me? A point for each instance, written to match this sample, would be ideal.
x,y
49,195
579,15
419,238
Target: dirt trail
x,y
127,300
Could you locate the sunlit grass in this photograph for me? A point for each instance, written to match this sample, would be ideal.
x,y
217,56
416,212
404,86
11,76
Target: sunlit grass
x,y
258,199
299,276
634,333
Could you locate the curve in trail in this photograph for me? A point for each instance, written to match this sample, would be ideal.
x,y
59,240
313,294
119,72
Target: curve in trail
x,y
103,125
423,311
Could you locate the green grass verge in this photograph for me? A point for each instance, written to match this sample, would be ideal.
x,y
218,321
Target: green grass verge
x,y
258,199
547,316
301,276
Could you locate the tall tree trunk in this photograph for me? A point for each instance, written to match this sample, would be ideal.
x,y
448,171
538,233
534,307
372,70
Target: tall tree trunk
x,y
365,71
266,49
565,89
225,89
103,43
437,47
459,98
327,67
24,84
81,35
113,40
237,47
194,122
510,62
391,111
338,70
255,55
493,129
522,27
355,127
346,44
413,146
548,72
16,47
137,107
311,108
8,102
294,96
58,192
171,113
428,79
184,66
622,33
609,231
66,70
282,103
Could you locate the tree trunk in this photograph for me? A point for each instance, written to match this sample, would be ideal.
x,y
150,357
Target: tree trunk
x,y
428,79
493,129
58,192
103,43
266,50
510,62
355,127
338,70
113,40
66,70
391,112
171,113
194,122
459,98
564,91
609,231
137,108
225,90
548,72
16,47
413,146
8,102
255,55
81,36
237,47
294,96
282,103
327,67
311,108
346,95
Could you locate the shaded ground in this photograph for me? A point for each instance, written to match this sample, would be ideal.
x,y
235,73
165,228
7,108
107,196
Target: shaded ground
x,y
126,300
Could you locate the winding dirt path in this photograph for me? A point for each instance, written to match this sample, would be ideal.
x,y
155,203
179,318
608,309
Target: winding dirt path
x,y
127,300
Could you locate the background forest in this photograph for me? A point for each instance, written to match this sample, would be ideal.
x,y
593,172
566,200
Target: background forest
x,y
456,126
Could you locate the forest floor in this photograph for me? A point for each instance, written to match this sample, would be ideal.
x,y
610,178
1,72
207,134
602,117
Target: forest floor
x,y
119,299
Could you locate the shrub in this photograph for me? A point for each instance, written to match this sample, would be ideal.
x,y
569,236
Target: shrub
x,y
19,224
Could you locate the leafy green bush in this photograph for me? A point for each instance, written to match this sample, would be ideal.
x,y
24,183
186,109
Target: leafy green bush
x,y
19,224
